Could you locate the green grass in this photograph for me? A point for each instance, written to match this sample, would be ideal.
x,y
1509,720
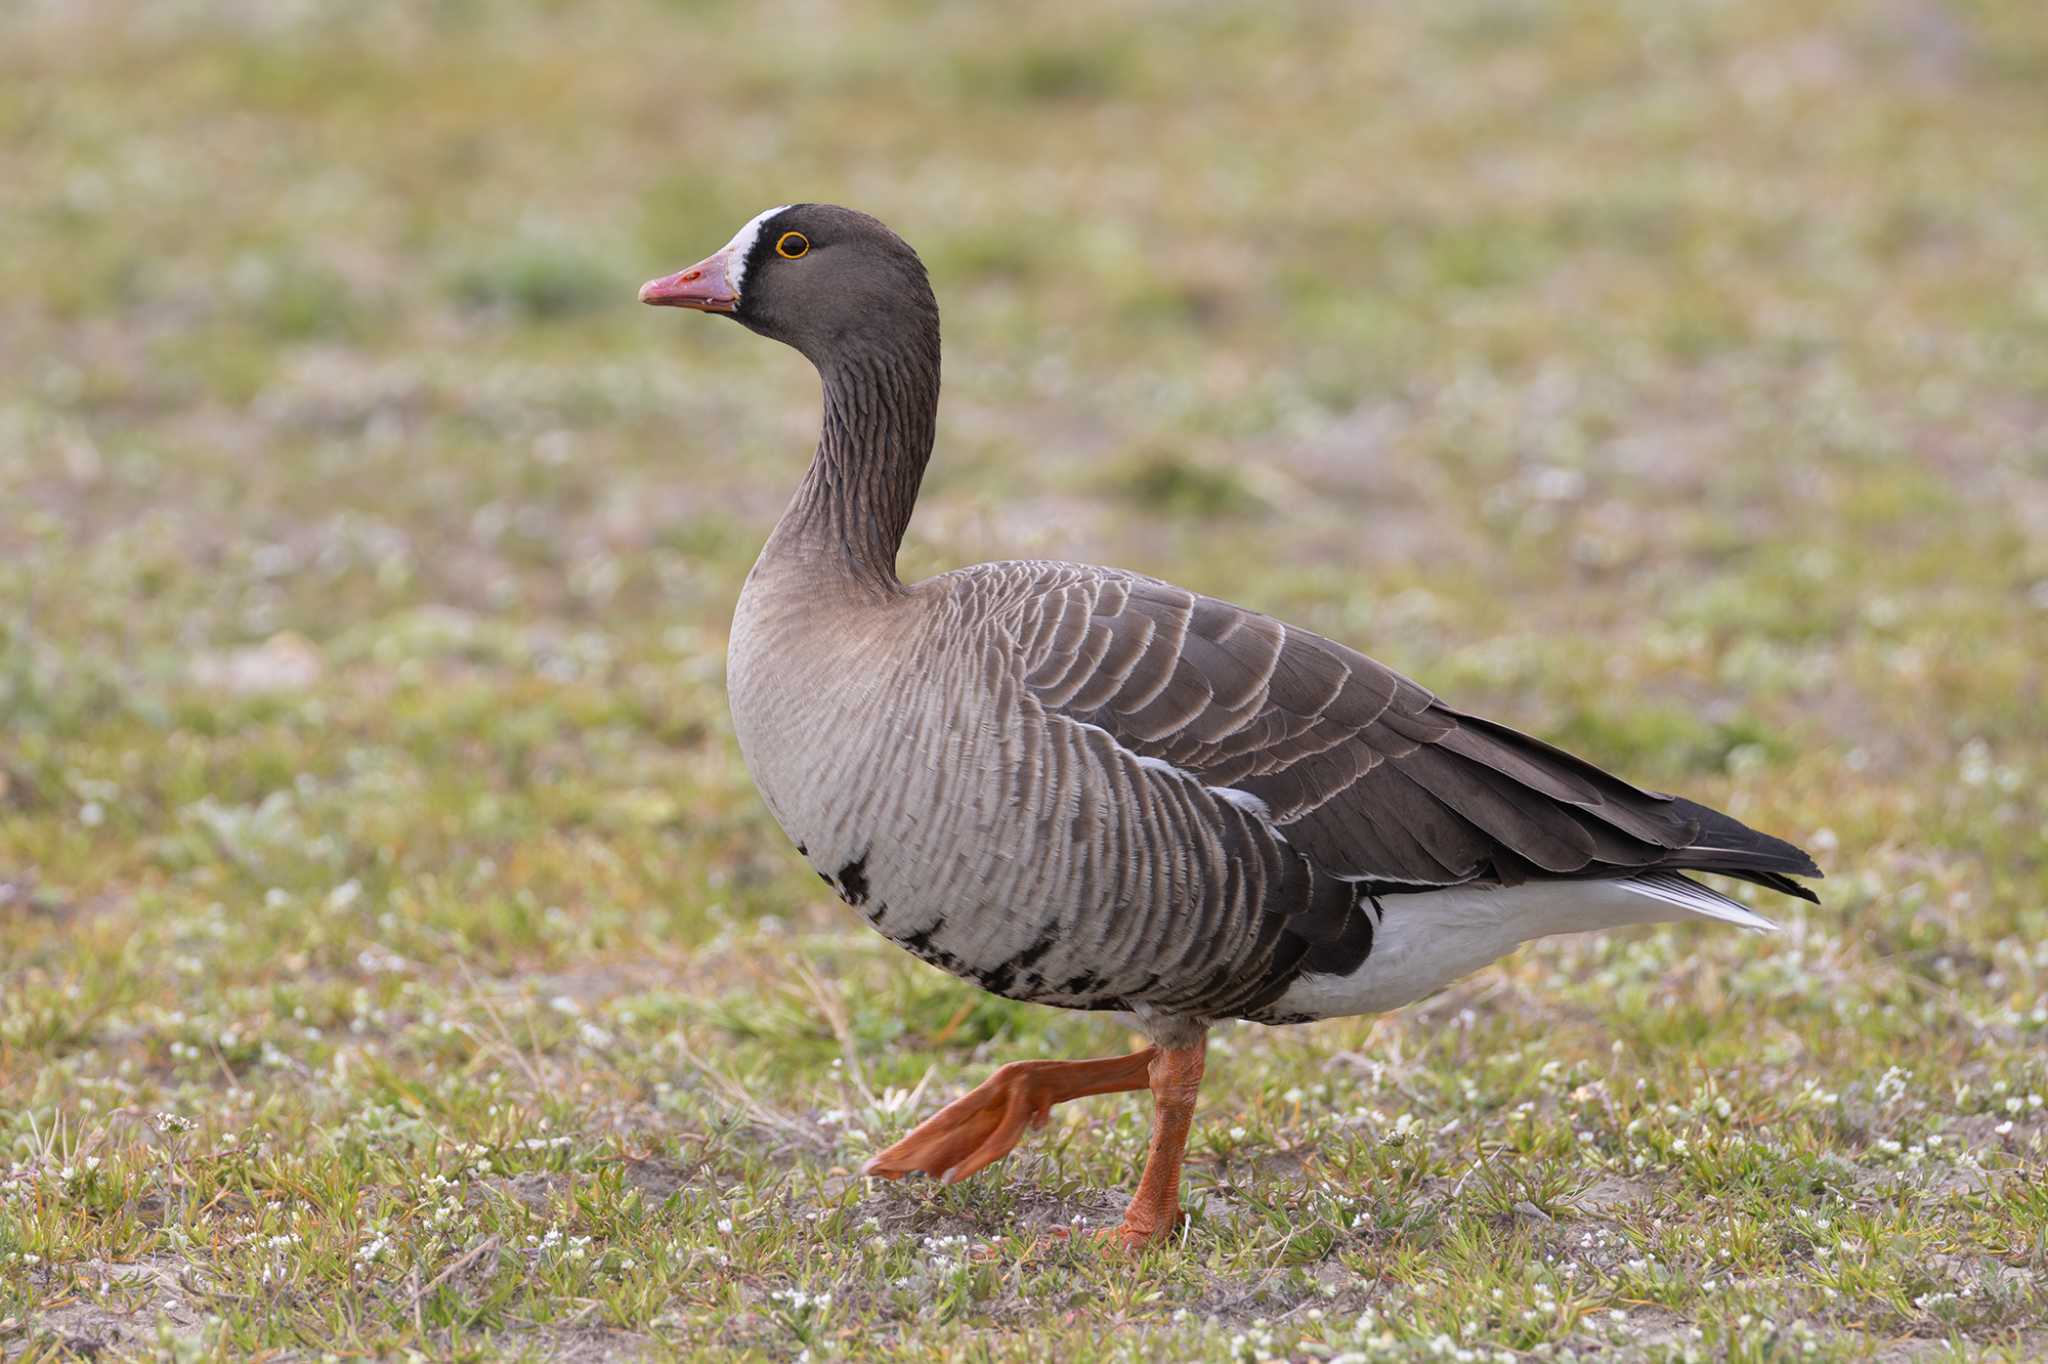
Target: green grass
x,y
395,958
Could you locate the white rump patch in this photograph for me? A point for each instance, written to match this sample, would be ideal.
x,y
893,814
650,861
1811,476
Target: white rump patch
x,y
742,245
1425,940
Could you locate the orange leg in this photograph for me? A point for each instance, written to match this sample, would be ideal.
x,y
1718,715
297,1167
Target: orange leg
x,y
983,1125
1154,1213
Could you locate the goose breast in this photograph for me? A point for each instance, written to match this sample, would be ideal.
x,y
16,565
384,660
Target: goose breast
x,y
907,754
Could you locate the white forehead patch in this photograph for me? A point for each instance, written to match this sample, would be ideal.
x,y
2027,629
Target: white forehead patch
x,y
742,245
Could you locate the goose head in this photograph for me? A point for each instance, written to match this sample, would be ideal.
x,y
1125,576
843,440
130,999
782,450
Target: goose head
x,y
814,276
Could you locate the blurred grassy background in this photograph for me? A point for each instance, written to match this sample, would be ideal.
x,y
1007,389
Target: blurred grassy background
x,y
1670,380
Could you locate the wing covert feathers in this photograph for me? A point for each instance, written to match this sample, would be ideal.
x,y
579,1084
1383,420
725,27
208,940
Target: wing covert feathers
x,y
1366,774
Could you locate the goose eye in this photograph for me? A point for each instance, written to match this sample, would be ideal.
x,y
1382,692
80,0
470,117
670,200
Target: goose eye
x,y
792,245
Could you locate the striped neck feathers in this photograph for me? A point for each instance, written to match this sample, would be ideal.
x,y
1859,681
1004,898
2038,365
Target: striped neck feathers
x,y
881,399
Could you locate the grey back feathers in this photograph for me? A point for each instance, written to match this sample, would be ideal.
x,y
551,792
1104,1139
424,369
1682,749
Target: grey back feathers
x,y
1093,789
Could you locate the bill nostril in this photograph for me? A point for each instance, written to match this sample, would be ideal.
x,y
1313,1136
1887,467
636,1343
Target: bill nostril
x,y
692,275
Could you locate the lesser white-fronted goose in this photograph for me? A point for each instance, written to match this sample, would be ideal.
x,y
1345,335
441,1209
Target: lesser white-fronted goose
x,y
1087,788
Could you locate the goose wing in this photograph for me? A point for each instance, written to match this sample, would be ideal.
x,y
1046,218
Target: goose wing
x,y
1362,771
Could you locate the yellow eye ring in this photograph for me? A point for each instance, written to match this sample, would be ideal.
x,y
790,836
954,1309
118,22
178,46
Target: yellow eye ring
x,y
792,245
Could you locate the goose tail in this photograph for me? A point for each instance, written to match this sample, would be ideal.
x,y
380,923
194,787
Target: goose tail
x,y
1688,894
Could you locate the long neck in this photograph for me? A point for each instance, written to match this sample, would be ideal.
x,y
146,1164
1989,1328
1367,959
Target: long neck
x,y
881,409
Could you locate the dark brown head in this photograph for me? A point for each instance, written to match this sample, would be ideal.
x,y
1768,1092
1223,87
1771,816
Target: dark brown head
x,y
815,276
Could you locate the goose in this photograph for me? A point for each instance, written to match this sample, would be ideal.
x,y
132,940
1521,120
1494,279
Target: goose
x,y
1087,788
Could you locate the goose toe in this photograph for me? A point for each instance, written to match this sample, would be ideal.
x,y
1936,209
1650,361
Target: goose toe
x,y
968,1135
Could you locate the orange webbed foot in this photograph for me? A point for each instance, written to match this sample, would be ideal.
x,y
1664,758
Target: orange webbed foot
x,y
985,1124
982,1126
968,1135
